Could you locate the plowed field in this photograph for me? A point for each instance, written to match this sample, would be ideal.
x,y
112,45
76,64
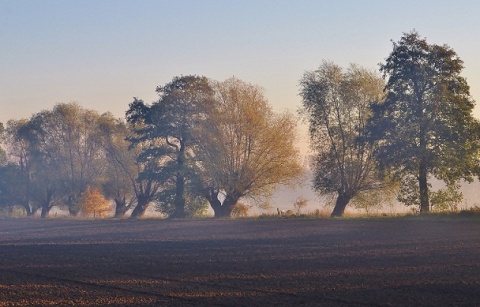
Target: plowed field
x,y
252,262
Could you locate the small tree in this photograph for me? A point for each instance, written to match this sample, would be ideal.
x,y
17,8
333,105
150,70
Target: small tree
x,y
94,203
447,199
300,203
376,199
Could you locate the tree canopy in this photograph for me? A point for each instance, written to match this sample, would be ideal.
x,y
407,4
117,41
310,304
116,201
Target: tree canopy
x,y
169,131
248,149
336,104
425,125
221,143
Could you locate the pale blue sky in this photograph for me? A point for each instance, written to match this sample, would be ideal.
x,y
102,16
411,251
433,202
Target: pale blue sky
x,y
102,53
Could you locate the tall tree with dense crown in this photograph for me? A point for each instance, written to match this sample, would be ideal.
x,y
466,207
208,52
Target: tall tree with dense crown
x,y
336,104
425,126
67,139
247,149
168,131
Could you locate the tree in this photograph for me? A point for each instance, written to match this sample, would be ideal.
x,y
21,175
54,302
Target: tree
x,y
376,199
247,149
168,132
66,139
93,203
126,183
195,205
300,203
425,126
122,170
19,167
336,104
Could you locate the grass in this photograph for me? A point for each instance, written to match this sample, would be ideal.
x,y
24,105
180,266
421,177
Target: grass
x,y
470,213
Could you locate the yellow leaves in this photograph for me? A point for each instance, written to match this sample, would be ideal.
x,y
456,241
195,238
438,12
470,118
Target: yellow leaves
x,y
252,148
93,203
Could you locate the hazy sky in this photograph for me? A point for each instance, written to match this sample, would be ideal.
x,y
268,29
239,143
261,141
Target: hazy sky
x,y
102,53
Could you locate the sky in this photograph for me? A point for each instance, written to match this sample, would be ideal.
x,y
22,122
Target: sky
x,y
102,53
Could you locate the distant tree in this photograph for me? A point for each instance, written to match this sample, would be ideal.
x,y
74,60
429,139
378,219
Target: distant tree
x,y
168,132
67,139
247,149
425,126
336,104
300,203
93,203
9,175
121,174
126,182
18,166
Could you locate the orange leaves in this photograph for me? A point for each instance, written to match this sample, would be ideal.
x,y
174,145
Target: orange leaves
x,y
93,203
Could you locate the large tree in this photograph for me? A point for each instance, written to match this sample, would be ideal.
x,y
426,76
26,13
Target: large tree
x,y
121,172
168,131
124,182
19,168
425,125
247,149
67,140
336,104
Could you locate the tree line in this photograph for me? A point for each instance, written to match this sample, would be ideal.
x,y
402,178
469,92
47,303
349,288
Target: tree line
x,y
203,142
374,135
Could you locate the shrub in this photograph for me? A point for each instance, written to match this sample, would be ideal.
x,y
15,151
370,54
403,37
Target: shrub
x,y
94,203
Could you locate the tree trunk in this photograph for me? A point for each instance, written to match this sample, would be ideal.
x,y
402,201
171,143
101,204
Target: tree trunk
x,y
224,211
29,210
226,208
179,212
73,205
212,196
120,207
46,206
141,207
341,203
45,209
423,185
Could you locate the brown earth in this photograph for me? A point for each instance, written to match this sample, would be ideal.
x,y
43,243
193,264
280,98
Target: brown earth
x,y
376,262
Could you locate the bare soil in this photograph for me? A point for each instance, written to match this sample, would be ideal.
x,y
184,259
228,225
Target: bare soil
x,y
251,262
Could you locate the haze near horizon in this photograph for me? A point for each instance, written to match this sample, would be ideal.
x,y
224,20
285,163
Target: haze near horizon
x,y
101,54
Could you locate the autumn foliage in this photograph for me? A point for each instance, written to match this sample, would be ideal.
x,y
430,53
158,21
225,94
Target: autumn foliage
x,y
93,203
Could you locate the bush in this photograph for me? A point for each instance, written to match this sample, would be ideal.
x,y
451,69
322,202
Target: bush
x,y
93,203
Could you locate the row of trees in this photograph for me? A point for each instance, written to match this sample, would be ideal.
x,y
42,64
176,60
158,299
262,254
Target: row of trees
x,y
373,138
202,142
